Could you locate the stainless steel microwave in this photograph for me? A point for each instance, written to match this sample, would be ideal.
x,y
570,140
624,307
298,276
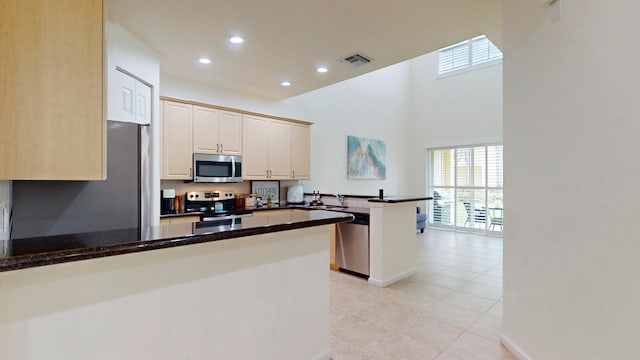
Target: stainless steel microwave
x,y
217,168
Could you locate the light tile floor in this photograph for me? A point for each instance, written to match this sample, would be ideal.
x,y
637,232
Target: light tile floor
x,y
450,310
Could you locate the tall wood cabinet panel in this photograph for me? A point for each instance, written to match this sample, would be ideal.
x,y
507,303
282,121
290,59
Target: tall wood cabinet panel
x,y
177,148
52,124
300,151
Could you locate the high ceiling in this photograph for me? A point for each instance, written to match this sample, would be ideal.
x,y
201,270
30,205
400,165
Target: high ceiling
x,y
288,39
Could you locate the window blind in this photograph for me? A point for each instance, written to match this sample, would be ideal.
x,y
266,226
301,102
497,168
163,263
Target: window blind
x,y
483,50
466,185
454,57
466,54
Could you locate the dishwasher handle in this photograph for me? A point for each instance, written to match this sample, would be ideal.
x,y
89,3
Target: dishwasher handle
x,y
360,219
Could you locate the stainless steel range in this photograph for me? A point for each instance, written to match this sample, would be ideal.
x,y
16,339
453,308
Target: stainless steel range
x,y
214,204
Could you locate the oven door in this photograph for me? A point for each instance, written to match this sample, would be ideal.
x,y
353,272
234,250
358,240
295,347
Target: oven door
x,y
217,168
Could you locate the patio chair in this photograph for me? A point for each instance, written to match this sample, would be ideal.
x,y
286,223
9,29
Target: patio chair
x,y
474,216
495,217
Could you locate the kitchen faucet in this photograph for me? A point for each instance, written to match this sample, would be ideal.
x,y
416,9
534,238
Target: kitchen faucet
x,y
340,198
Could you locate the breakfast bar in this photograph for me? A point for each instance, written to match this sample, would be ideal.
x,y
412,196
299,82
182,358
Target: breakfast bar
x,y
257,287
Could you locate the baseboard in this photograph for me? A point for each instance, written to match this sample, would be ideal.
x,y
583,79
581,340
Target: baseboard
x,y
513,348
326,355
393,279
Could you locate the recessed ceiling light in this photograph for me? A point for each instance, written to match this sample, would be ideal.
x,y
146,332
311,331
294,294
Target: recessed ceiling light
x,y
236,40
285,83
204,61
322,69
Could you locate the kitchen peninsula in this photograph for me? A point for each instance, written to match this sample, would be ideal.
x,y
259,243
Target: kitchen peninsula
x,y
254,288
392,238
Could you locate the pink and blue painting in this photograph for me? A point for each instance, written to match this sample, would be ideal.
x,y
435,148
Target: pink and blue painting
x,y
367,158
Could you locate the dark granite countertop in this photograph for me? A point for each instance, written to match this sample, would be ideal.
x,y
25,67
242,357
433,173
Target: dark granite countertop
x,y
39,251
399,199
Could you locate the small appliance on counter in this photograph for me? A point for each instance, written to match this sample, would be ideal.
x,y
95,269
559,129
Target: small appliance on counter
x,y
167,201
295,195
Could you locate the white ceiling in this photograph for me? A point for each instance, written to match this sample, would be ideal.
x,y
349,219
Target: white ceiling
x,y
288,39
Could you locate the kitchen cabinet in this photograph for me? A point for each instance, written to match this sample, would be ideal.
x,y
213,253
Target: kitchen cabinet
x,y
216,131
52,123
130,99
300,151
177,140
266,148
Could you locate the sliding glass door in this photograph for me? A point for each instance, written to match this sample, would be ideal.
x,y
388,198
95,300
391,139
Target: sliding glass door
x,y
466,185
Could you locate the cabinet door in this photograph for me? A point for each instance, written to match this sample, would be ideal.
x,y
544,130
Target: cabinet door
x,y
177,132
129,98
52,125
125,99
279,150
231,133
300,151
255,147
143,103
205,130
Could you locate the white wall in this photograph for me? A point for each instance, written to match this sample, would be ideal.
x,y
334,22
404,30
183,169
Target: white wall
x,y
460,109
572,170
5,210
374,105
131,54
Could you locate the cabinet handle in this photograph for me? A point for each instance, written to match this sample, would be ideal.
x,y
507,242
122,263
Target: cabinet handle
x,y
190,172
294,174
221,148
217,148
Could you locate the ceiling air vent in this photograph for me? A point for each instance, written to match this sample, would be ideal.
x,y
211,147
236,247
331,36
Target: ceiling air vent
x,y
356,59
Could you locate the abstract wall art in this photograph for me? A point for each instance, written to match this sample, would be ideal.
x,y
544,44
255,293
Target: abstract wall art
x,y
367,158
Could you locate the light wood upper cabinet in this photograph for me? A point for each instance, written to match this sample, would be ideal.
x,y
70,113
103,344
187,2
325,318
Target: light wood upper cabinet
x,y
205,130
279,150
52,123
177,148
216,131
230,133
275,149
255,145
271,148
300,151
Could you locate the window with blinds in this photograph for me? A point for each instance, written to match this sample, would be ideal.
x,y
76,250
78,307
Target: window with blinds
x,y
466,185
467,54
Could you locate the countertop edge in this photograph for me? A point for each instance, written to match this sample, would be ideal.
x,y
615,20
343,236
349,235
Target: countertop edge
x,y
65,256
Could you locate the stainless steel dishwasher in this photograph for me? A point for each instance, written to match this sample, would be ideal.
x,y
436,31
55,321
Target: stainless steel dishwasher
x,y
352,246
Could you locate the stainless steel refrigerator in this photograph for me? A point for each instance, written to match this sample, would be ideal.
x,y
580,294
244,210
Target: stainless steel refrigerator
x,y
121,201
